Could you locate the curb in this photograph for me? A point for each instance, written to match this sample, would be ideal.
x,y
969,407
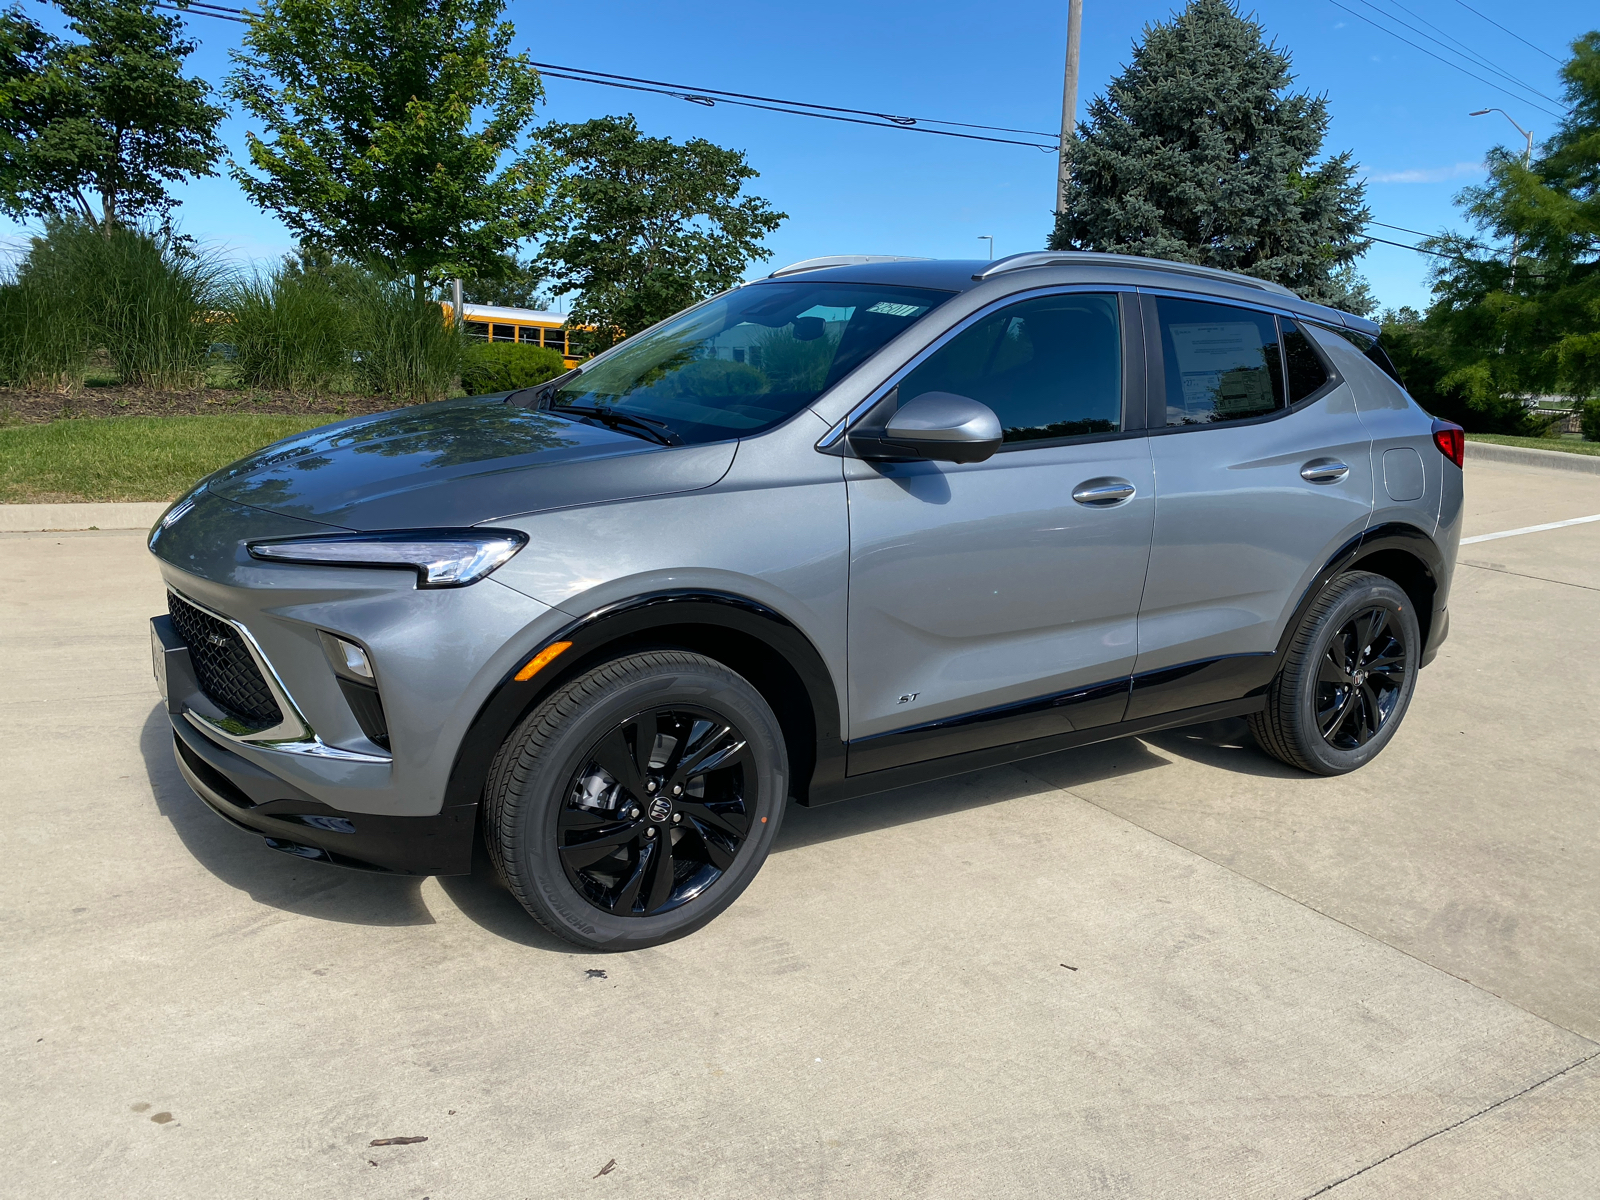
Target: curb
x,y
50,518
1554,460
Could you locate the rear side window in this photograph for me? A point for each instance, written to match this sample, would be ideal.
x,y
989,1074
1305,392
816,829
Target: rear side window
x,y
1222,362
1049,368
504,333
1306,370
1373,348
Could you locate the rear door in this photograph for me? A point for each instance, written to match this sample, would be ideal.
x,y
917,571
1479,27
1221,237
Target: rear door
x,y
1263,470
987,605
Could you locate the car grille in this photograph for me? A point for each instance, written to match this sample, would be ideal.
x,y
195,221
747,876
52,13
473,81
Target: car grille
x,y
223,666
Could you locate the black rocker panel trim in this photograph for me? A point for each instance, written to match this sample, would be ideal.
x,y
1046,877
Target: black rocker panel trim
x,y
597,635
1208,681
1063,712
994,756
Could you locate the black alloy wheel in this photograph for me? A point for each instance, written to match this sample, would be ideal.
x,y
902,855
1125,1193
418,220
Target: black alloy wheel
x,y
657,812
1363,673
1347,677
637,799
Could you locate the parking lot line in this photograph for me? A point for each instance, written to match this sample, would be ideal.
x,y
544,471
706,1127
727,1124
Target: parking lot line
x,y
1505,533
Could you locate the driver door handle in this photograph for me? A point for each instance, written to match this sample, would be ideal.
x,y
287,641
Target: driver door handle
x,y
1324,470
1103,492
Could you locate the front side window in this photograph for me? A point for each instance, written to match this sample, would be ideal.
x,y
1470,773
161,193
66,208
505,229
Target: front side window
x,y
747,360
1049,367
1222,363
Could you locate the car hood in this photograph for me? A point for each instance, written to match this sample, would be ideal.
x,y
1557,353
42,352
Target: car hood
x,y
457,463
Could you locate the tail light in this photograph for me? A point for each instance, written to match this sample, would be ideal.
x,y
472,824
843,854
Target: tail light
x,y
1451,440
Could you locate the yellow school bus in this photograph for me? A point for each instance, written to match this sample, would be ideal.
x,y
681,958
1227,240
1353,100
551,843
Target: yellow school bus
x,y
532,327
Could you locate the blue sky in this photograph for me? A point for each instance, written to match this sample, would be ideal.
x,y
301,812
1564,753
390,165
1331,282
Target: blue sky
x,y
849,189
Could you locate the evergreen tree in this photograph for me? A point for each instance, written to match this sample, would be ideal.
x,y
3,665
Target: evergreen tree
x,y
1498,330
1199,152
110,117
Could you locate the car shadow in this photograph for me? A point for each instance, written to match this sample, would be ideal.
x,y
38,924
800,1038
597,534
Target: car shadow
x,y
484,900
243,860
959,793
1227,745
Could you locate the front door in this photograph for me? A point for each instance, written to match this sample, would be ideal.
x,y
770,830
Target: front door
x,y
987,605
1263,470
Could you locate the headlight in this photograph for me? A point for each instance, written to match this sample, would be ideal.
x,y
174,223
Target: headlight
x,y
440,557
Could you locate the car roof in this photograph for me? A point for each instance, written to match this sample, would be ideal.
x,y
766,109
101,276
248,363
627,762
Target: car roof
x,y
1043,268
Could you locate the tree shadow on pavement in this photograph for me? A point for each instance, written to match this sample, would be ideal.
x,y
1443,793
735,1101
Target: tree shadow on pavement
x,y
244,861
996,785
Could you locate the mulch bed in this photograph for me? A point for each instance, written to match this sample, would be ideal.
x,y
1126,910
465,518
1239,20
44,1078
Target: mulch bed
x,y
37,408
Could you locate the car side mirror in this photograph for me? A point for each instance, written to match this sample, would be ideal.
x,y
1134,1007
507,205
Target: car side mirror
x,y
940,426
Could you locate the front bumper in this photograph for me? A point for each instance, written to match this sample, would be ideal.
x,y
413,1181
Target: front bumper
x,y
290,819
295,823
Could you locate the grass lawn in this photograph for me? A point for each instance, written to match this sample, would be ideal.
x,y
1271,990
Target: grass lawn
x,y
129,458
1568,445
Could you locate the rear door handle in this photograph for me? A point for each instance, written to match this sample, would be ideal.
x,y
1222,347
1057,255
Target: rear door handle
x,y
1324,470
1102,492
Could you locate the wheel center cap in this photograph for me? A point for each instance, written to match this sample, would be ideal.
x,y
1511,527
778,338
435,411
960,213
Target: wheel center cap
x,y
1360,676
660,809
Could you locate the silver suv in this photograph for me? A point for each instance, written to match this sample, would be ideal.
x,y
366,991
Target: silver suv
x,y
856,526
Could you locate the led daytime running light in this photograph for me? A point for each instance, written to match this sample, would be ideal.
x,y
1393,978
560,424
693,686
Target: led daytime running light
x,y
442,558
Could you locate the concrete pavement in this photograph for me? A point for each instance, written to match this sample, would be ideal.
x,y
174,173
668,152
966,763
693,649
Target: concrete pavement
x,y
1162,967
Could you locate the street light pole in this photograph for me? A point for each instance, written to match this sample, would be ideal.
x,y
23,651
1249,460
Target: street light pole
x,y
1069,100
1527,158
984,237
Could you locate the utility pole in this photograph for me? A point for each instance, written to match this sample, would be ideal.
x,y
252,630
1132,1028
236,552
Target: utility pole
x,y
1069,99
455,300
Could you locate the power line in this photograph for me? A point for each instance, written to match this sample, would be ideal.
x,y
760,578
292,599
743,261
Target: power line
x,y
1445,61
1503,29
860,112
1466,51
710,97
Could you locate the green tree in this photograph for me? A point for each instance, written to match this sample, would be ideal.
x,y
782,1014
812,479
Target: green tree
x,y
1499,329
643,227
394,132
111,116
1199,152
517,284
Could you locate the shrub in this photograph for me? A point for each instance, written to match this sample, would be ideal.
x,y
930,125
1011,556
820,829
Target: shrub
x,y
1589,420
404,346
42,344
506,366
146,297
291,330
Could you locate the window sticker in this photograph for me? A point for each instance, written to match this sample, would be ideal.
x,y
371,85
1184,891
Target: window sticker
x,y
885,308
1222,369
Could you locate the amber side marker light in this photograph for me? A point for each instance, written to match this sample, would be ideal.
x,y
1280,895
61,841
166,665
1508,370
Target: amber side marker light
x,y
542,660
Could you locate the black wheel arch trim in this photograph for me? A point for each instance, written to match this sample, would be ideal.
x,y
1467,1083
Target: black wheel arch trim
x,y
1372,546
817,754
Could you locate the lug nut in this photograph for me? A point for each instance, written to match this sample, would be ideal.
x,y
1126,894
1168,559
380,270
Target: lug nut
x,y
634,813
677,789
650,832
676,817
651,786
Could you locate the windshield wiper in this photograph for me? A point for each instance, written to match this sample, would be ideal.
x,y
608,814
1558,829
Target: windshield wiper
x,y
655,431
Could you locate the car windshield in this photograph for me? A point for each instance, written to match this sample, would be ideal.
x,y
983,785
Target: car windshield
x,y
747,360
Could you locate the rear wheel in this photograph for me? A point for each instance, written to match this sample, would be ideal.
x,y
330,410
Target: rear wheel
x,y
635,803
1347,678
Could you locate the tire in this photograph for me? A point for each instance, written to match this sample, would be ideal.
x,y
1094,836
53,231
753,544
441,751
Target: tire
x,y
580,817
1346,681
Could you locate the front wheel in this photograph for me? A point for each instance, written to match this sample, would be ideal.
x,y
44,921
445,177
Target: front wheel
x,y
1346,680
636,802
